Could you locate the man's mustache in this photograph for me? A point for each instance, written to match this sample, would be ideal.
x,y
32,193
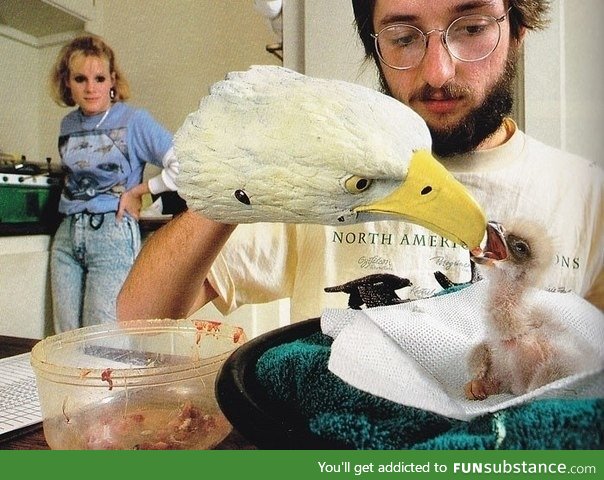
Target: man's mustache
x,y
449,91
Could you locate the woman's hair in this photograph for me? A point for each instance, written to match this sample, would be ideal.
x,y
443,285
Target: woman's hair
x,y
529,14
89,46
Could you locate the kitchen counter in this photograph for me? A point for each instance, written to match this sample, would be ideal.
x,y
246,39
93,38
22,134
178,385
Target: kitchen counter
x,y
32,438
25,300
149,224
20,229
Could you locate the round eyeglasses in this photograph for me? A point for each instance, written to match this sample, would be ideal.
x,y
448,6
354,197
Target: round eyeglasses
x,y
469,38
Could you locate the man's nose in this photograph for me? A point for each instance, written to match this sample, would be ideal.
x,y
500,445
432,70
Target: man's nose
x,y
437,66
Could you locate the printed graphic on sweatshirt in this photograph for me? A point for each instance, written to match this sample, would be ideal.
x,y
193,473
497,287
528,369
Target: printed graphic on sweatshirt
x,y
373,290
380,289
406,264
95,162
391,239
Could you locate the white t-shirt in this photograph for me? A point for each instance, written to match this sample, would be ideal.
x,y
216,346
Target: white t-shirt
x,y
383,262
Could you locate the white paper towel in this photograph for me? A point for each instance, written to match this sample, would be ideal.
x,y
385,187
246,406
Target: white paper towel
x,y
416,353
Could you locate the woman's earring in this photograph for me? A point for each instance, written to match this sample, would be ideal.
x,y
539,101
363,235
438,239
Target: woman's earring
x,y
112,93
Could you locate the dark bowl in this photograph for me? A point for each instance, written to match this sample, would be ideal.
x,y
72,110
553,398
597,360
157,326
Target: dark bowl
x,y
265,423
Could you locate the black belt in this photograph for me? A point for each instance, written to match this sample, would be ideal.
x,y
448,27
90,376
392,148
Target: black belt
x,y
95,220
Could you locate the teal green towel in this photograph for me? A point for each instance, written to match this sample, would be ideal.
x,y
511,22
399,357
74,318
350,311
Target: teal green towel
x,y
296,374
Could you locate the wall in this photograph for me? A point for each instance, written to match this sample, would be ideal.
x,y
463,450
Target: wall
x,y
565,93
25,304
19,97
320,39
172,51
338,56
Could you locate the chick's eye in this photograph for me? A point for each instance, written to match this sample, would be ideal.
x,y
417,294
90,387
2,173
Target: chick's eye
x,y
357,184
521,248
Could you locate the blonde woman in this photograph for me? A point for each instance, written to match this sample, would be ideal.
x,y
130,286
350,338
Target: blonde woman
x,y
104,145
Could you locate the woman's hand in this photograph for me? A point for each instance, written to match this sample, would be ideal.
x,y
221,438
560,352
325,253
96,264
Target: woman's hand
x,y
131,202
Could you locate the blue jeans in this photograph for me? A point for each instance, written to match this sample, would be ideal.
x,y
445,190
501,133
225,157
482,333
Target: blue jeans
x,y
90,258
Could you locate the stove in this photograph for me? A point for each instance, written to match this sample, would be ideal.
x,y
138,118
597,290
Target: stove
x,y
29,193
19,179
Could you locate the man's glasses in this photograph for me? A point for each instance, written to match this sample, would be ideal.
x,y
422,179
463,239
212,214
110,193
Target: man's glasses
x,y
469,38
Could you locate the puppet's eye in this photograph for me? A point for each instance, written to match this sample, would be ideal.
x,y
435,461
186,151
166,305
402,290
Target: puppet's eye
x,y
357,184
242,197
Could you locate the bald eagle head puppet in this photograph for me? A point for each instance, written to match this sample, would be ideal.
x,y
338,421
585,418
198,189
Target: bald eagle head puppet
x,y
273,145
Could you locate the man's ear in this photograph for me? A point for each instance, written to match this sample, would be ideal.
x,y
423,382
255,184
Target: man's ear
x,y
521,34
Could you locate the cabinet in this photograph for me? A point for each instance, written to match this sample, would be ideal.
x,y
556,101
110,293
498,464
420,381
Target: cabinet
x,y
82,9
25,302
41,23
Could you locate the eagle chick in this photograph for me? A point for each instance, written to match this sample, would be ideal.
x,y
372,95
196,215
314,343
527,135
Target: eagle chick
x,y
525,348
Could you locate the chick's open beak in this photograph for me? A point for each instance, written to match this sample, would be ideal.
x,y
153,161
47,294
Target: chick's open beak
x,y
496,248
430,196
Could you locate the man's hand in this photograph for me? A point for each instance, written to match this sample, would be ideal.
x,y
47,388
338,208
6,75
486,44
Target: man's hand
x,y
596,294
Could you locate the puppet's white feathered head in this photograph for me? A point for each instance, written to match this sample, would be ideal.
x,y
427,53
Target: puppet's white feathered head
x,y
273,145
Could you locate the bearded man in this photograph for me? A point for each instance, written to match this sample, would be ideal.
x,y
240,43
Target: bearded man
x,y
453,62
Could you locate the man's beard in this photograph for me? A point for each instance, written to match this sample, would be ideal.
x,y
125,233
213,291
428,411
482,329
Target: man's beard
x,y
478,124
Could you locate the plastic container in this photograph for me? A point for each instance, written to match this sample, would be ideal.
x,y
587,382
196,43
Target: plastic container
x,y
139,385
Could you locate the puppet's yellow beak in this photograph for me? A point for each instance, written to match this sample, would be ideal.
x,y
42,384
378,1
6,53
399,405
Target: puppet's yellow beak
x,y
430,196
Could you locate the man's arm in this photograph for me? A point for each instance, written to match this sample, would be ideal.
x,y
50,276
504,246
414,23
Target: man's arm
x,y
596,294
168,279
